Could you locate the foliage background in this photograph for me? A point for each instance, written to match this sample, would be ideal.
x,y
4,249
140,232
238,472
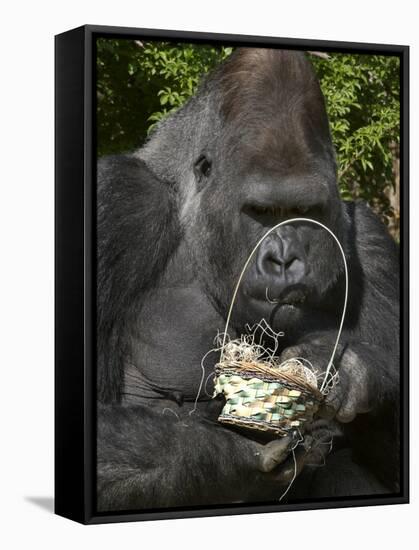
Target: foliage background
x,y
139,83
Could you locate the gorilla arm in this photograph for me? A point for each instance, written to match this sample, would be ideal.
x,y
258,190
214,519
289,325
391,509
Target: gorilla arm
x,y
147,459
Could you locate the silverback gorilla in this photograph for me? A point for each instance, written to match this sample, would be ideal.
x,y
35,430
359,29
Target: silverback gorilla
x,y
176,221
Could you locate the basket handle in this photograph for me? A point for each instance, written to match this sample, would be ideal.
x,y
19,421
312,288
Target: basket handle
x,y
293,220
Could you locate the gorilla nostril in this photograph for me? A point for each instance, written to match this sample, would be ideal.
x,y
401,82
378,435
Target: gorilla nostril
x,y
275,263
275,260
296,268
288,264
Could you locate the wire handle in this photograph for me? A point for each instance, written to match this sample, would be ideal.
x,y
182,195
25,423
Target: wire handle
x,y
293,220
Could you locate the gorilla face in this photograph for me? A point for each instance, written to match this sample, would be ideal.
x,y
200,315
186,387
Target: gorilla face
x,y
252,149
282,166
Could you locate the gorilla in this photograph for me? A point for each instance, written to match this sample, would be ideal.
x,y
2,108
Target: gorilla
x,y
176,221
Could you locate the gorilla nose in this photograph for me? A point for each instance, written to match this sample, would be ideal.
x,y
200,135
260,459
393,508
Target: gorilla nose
x,y
290,267
282,259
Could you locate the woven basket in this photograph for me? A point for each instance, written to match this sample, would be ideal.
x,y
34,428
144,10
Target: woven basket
x,y
277,402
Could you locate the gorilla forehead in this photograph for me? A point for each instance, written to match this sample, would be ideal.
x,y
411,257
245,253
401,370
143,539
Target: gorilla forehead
x,y
251,76
271,99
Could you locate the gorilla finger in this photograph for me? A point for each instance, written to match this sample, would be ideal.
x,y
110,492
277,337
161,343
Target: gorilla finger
x,y
346,414
326,411
317,457
351,406
334,399
292,467
318,425
274,453
214,407
290,353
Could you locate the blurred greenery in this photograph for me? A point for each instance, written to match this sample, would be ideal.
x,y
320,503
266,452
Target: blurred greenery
x,y
362,95
139,83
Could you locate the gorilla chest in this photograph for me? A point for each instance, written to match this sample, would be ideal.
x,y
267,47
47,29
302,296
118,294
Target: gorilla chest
x,y
175,329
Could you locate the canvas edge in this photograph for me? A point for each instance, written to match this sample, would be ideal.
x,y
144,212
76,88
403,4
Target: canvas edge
x,y
85,447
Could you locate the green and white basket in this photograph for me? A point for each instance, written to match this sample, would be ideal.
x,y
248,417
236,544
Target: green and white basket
x,y
264,398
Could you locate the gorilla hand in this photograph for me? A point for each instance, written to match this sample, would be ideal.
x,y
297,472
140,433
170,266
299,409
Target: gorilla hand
x,y
356,383
266,458
276,464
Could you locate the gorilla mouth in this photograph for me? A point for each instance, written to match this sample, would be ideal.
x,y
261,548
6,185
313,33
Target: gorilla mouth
x,y
281,309
293,296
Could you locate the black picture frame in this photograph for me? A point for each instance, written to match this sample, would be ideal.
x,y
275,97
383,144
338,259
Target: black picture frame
x,y
75,385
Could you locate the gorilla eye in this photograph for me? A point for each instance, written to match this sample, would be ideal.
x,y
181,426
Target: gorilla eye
x,y
297,212
202,167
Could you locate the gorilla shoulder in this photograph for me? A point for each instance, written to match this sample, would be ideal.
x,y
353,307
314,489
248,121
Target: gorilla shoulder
x,y
371,235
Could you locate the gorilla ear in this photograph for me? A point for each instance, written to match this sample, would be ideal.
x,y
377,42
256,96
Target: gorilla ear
x,y
202,170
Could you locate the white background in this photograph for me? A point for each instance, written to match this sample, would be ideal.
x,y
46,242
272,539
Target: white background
x,y
26,218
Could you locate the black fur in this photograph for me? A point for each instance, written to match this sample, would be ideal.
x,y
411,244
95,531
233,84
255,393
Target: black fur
x,y
134,245
176,221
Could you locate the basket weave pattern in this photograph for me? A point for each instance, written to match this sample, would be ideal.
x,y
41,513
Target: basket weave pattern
x,y
273,402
